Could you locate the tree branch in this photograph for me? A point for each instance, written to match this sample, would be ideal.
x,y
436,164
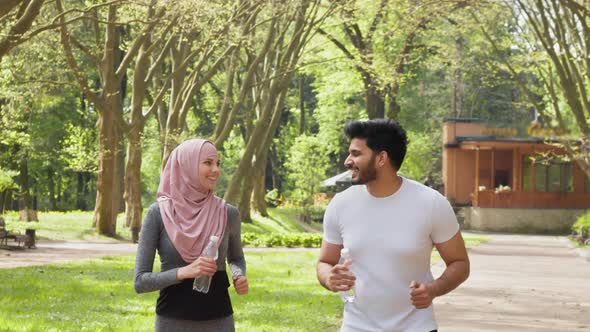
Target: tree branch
x,y
337,43
82,80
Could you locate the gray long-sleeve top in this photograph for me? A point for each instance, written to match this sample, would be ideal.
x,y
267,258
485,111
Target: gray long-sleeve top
x,y
153,236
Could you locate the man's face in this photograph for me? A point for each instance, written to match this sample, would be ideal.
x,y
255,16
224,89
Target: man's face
x,y
361,161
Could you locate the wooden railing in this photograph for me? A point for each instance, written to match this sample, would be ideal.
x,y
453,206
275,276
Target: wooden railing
x,y
539,200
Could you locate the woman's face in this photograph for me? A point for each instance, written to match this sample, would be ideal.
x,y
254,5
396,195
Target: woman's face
x,y
209,172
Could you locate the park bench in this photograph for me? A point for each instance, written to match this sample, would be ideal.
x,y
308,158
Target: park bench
x,y
5,235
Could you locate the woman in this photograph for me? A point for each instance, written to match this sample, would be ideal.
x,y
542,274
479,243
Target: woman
x,y
179,226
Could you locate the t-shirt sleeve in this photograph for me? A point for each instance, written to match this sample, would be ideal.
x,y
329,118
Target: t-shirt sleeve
x,y
444,221
332,232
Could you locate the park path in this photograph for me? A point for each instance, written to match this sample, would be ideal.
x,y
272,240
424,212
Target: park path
x,y
60,252
520,283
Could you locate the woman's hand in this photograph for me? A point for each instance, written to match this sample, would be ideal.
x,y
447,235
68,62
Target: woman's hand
x,y
203,266
241,284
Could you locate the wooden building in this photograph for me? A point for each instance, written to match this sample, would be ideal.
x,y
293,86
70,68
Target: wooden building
x,y
493,168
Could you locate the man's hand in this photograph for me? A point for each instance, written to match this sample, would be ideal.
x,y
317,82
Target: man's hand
x,y
420,295
340,277
241,284
203,266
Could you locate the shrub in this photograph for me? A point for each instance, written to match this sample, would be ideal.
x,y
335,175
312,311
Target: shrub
x,y
581,228
289,240
273,198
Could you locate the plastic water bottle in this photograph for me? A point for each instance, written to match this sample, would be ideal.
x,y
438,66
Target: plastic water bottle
x,y
349,295
203,282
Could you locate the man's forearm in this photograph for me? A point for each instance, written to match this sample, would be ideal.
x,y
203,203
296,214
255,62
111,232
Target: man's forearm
x,y
323,271
452,277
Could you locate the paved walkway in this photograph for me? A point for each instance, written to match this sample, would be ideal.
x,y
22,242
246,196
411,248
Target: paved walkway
x,y
519,283
60,252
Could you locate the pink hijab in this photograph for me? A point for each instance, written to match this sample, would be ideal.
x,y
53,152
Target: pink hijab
x,y
190,212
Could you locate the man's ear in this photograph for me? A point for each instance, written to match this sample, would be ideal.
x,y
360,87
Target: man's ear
x,y
382,158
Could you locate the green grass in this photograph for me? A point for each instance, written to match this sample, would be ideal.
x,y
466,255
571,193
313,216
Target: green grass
x,y
77,225
72,225
279,221
98,295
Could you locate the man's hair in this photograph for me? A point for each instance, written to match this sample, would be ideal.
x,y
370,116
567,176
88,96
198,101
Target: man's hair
x,y
381,135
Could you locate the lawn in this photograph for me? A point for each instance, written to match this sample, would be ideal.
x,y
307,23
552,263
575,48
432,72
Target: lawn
x,y
77,225
98,295
71,225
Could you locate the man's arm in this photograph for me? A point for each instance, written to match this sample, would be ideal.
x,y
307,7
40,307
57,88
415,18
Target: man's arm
x,y
332,276
454,254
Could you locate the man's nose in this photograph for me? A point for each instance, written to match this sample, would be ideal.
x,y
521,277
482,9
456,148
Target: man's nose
x,y
348,162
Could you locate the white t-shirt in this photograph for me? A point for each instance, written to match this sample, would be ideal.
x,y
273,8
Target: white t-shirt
x,y
390,241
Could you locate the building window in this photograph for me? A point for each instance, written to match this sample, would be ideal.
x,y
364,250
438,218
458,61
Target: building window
x,y
550,175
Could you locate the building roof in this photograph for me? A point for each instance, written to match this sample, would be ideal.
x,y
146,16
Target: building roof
x,y
342,178
464,120
535,140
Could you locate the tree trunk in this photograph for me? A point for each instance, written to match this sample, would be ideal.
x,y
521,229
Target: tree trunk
x,y
3,201
81,195
133,208
258,198
26,212
458,87
375,102
245,200
301,105
51,188
274,165
30,10
105,213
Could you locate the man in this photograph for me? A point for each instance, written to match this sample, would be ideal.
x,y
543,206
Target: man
x,y
390,225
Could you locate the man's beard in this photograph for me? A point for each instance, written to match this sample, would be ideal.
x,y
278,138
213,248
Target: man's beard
x,y
367,174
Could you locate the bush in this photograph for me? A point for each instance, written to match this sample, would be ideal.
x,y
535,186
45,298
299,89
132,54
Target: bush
x,y
289,240
312,214
273,198
581,228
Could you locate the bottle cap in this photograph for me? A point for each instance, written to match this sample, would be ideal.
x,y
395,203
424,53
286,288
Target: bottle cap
x,y
214,238
344,252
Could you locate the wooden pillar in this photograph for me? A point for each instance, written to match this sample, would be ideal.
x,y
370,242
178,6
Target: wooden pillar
x,y
493,176
516,169
493,170
476,193
533,176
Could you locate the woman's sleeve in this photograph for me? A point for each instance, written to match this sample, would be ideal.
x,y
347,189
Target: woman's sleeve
x,y
235,254
145,279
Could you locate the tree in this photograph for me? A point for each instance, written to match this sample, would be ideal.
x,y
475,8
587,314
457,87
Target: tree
x,y
554,36
175,50
307,168
291,26
381,54
112,63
